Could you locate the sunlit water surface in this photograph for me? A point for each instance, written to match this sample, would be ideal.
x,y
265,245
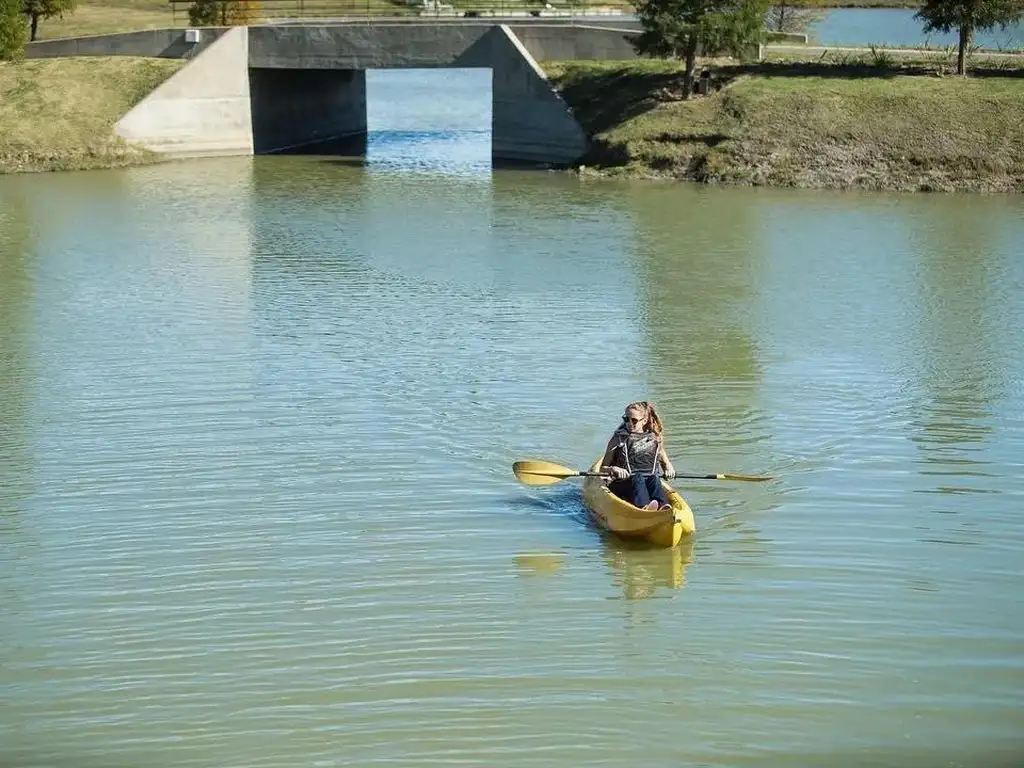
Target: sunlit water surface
x,y
256,506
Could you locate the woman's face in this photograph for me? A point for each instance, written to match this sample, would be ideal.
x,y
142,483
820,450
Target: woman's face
x,y
635,420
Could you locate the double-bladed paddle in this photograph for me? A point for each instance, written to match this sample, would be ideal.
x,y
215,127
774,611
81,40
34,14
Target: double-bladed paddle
x,y
532,472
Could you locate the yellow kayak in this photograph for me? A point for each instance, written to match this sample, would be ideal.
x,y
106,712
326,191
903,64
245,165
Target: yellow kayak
x,y
662,528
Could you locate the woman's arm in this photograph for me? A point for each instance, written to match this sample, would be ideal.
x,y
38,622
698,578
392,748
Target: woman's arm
x,y
609,456
609,453
666,462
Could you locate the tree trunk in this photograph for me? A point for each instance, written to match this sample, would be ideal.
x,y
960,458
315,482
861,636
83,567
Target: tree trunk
x,y
965,40
691,67
35,27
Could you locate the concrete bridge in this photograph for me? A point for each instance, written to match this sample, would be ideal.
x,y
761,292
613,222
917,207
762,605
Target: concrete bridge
x,y
265,89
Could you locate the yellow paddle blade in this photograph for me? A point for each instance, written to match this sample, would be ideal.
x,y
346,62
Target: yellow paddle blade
x,y
541,472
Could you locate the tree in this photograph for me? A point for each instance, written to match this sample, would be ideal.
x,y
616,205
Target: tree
x,y
790,16
968,16
12,30
678,29
224,13
44,9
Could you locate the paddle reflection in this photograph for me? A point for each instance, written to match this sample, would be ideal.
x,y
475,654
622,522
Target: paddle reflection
x,y
538,563
641,571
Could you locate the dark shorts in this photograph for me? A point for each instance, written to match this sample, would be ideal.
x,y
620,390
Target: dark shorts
x,y
639,490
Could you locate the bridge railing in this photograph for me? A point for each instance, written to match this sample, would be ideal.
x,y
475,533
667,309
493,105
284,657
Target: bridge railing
x,y
232,12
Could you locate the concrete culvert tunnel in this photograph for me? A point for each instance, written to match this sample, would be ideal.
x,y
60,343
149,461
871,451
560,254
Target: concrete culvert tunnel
x,y
303,110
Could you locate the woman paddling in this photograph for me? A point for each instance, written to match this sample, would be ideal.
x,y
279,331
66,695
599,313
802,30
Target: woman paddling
x,y
633,456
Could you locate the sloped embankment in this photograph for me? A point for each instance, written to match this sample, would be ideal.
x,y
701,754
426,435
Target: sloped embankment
x,y
59,114
802,126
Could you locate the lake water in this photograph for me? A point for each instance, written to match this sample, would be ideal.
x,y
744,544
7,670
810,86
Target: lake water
x,y
899,27
257,420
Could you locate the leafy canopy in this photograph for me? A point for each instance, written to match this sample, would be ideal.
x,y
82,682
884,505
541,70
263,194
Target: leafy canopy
x,y
46,9
675,28
203,13
13,31
949,15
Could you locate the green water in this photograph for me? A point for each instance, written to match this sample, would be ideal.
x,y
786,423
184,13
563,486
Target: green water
x,y
256,506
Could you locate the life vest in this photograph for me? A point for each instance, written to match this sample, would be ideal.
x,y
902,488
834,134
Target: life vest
x,y
637,452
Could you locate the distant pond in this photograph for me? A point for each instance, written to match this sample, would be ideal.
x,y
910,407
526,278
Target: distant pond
x,y
899,27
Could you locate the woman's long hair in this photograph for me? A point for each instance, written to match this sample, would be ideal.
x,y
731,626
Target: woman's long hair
x,y
652,422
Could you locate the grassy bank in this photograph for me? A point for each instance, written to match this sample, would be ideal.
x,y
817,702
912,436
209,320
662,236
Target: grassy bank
x,y
58,114
803,125
99,17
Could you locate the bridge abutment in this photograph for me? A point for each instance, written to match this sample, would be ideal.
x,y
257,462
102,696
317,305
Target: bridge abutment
x,y
530,122
201,110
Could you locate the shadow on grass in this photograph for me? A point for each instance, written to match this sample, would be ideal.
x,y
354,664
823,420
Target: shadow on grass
x,y
824,70
984,72
851,71
603,100
707,139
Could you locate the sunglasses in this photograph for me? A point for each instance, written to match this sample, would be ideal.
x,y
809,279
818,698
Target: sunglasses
x,y
629,420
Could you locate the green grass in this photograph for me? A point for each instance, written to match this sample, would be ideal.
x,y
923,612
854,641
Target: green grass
x,y
58,114
98,18
803,125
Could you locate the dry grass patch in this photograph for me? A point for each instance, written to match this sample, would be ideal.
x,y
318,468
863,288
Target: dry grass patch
x,y
58,114
837,127
100,18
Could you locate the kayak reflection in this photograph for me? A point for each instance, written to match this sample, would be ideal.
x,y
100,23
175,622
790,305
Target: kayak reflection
x,y
638,569
641,571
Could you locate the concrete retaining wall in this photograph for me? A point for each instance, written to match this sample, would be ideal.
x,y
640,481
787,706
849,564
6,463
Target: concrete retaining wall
x,y
361,46
294,108
203,109
342,44
563,43
157,43
398,45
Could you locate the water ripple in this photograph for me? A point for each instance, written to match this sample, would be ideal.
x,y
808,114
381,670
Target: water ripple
x,y
256,506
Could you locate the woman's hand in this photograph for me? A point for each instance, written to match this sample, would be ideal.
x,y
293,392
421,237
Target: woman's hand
x,y
617,473
670,472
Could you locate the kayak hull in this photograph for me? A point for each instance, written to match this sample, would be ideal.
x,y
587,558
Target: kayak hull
x,y
661,528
